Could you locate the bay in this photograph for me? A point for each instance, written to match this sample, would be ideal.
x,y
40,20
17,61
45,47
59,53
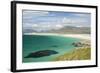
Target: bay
x,y
33,43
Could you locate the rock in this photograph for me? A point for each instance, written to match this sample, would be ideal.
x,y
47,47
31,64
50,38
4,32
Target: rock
x,y
77,44
41,54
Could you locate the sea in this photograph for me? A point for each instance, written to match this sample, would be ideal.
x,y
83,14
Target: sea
x,y
34,43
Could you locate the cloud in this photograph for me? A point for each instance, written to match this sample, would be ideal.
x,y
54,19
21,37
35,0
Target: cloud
x,y
66,20
55,25
82,15
35,13
75,21
45,20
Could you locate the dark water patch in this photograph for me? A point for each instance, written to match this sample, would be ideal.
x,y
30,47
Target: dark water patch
x,y
54,46
42,53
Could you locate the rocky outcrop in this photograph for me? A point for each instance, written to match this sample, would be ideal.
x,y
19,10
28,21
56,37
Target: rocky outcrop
x,y
80,44
77,44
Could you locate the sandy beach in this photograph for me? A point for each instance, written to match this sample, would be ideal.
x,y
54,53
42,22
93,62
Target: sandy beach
x,y
80,36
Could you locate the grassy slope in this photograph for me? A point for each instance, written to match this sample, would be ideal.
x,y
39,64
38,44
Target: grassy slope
x,y
78,54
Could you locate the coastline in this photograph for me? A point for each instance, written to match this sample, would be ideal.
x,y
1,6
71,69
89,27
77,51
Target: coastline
x,y
82,49
80,36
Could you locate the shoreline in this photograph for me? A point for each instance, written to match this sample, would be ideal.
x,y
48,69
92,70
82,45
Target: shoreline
x,y
80,36
79,53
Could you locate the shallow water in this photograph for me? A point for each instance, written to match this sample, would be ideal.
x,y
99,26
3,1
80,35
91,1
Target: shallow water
x,y
33,43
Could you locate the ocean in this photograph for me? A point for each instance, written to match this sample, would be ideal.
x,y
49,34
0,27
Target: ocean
x,y
33,43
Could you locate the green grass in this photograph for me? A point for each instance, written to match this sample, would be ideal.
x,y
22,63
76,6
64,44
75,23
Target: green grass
x,y
83,53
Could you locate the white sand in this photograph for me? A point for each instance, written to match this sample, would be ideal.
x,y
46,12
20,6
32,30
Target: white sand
x,y
80,36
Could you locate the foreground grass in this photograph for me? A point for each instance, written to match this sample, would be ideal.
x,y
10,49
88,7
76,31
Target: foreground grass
x,y
83,53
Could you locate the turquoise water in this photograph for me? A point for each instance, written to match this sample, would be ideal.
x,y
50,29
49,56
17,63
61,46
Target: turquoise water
x,y
32,43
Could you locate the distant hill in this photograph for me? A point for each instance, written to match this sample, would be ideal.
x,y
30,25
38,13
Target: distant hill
x,y
73,30
64,30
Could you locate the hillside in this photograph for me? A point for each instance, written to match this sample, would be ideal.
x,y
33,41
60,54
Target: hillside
x,y
73,30
64,30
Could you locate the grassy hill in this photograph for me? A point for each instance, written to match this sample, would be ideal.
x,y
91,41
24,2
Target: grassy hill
x,y
78,54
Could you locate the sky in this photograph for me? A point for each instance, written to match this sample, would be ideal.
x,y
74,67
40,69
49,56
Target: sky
x,y
53,20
